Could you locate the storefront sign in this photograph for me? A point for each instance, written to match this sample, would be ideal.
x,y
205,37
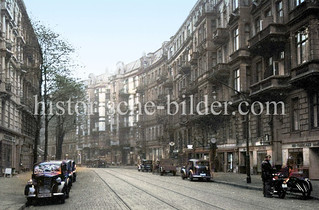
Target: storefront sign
x,y
304,144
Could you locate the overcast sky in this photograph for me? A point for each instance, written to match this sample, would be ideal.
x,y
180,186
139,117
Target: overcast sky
x,y
104,32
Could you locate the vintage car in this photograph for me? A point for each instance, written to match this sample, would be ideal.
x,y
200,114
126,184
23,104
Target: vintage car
x,y
49,180
71,167
166,166
196,169
74,171
146,165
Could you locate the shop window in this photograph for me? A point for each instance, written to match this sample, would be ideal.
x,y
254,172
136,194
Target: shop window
x,y
295,158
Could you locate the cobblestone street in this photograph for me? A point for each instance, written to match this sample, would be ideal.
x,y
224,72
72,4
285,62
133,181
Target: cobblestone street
x,y
118,188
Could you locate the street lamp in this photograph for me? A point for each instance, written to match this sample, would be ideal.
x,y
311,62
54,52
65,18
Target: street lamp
x,y
212,143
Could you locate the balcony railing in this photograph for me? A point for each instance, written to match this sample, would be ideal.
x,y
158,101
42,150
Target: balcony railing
x,y
124,93
194,58
168,83
268,85
220,72
140,89
221,35
272,37
184,68
308,7
160,79
241,53
306,75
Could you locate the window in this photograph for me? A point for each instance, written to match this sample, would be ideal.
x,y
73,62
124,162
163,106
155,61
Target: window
x,y
268,13
295,114
235,39
258,71
314,101
258,25
298,2
237,80
302,46
280,11
235,4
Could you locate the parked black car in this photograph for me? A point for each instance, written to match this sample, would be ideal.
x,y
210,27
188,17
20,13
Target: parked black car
x,y
146,165
196,169
74,171
49,180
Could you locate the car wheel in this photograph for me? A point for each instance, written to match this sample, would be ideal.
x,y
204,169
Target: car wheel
x,y
29,201
282,194
62,198
191,177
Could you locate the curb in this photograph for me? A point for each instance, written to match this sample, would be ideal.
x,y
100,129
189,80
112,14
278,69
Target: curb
x,y
249,187
22,207
238,185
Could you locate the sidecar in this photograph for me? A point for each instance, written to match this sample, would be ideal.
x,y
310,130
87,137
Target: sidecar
x,y
299,184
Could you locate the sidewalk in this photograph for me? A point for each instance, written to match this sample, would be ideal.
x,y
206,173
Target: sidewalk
x,y
12,191
239,180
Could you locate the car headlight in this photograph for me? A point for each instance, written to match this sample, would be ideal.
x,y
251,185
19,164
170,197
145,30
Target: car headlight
x,y
58,180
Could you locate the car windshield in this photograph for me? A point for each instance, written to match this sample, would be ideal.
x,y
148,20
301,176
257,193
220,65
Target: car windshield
x,y
203,163
47,168
147,162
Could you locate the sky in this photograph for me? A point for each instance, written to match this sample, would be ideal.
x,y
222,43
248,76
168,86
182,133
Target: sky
x,y
104,32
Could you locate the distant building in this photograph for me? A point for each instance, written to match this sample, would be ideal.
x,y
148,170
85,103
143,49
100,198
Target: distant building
x,y
227,52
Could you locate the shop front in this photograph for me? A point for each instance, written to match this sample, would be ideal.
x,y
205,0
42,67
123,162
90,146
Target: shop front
x,y
303,157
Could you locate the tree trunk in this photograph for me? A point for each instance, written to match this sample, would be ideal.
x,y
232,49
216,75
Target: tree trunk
x,y
59,137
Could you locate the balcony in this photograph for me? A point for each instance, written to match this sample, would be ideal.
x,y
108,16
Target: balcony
x,y
220,72
306,8
192,88
209,10
168,83
271,88
306,75
221,36
242,53
5,89
184,69
140,89
194,58
124,93
270,38
6,8
160,79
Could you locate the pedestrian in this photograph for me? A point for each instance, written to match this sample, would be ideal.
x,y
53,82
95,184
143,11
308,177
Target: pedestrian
x,y
266,176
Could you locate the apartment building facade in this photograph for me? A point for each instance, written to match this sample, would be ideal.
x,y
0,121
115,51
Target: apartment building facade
x,y
19,82
235,51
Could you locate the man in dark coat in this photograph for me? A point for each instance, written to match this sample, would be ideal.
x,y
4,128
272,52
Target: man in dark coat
x,y
267,176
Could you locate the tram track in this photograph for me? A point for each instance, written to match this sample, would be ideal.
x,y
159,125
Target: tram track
x,y
167,189
191,188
